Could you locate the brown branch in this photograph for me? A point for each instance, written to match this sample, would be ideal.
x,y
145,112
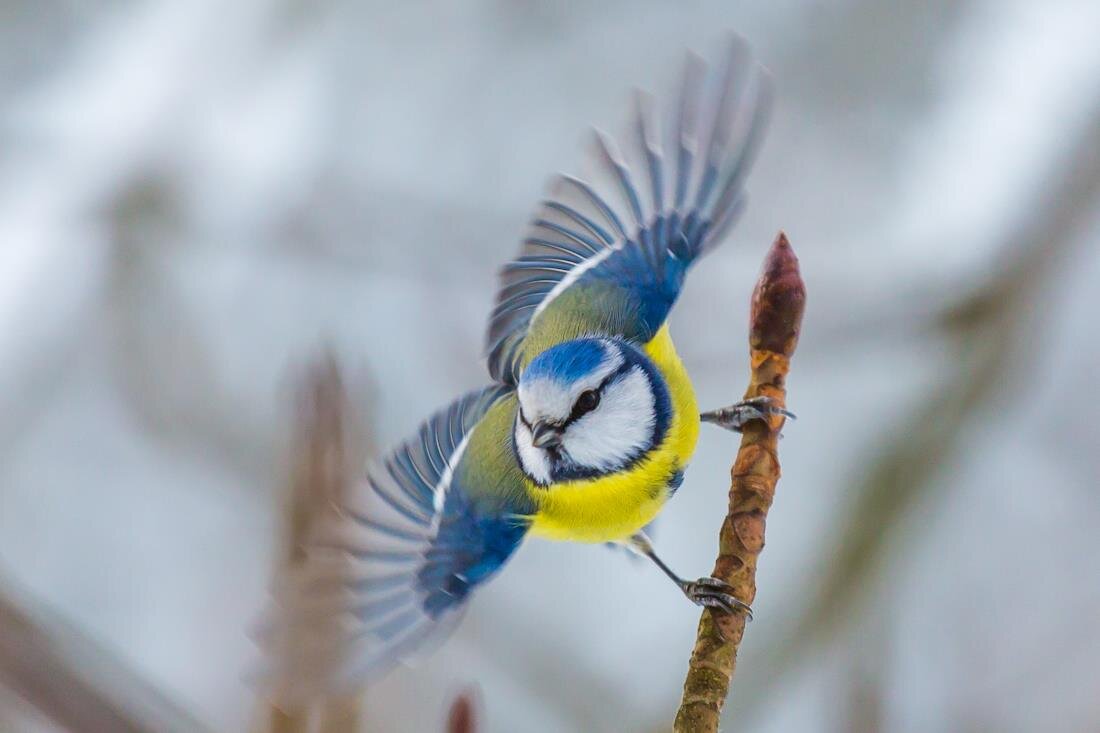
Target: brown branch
x,y
776,316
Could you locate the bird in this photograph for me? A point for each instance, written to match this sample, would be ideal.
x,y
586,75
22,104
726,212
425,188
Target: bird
x,y
590,419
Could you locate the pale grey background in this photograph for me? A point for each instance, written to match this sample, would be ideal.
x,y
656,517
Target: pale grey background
x,y
196,195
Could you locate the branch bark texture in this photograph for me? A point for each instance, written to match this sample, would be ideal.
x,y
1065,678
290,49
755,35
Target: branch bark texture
x,y
775,320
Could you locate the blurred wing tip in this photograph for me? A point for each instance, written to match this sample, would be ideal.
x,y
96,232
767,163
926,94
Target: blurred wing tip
x,y
679,166
737,44
604,141
765,86
694,63
552,187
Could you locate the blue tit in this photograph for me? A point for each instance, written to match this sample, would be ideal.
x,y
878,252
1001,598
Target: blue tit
x,y
590,420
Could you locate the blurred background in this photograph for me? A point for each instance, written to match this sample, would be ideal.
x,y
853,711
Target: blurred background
x,y
197,197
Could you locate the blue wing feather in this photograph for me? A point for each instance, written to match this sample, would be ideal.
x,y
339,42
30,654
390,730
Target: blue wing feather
x,y
600,205
649,142
419,551
592,227
589,241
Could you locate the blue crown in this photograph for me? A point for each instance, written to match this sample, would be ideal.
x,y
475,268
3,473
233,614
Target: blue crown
x,y
569,361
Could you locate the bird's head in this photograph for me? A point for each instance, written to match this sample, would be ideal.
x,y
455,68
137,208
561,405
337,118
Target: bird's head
x,y
588,407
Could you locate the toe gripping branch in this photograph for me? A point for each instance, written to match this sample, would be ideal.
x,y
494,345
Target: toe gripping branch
x,y
736,416
715,594
708,592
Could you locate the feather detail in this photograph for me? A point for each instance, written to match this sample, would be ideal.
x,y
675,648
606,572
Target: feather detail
x,y
627,231
377,583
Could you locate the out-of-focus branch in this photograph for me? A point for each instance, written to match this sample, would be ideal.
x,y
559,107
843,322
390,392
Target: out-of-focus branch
x,y
777,305
73,682
463,715
320,474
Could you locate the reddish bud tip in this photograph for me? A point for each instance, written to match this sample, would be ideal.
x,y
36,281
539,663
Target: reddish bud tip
x,y
778,301
463,714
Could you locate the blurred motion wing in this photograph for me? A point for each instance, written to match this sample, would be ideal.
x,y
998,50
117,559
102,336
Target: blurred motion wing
x,y
608,254
379,585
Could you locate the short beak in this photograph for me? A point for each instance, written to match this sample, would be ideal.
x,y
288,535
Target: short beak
x,y
545,435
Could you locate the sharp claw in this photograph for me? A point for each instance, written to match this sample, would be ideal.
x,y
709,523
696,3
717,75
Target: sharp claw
x,y
709,592
714,602
709,581
714,583
725,603
736,416
763,403
733,604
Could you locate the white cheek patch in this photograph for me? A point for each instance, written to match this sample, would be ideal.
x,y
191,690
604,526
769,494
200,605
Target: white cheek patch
x,y
616,431
534,461
549,399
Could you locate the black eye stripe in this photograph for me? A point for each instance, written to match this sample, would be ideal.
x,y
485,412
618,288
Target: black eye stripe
x,y
622,369
588,401
523,419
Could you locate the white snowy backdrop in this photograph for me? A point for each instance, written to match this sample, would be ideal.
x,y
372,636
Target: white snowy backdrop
x,y
196,196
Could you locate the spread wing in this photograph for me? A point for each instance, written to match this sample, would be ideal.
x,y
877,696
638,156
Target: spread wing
x,y
379,584
609,254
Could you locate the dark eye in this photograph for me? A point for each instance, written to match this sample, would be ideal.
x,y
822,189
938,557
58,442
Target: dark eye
x,y
587,402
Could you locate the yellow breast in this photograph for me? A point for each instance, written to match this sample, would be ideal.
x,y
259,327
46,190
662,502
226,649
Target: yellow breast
x,y
616,506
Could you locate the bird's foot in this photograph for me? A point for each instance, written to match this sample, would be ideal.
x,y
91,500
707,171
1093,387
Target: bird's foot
x,y
735,417
716,594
